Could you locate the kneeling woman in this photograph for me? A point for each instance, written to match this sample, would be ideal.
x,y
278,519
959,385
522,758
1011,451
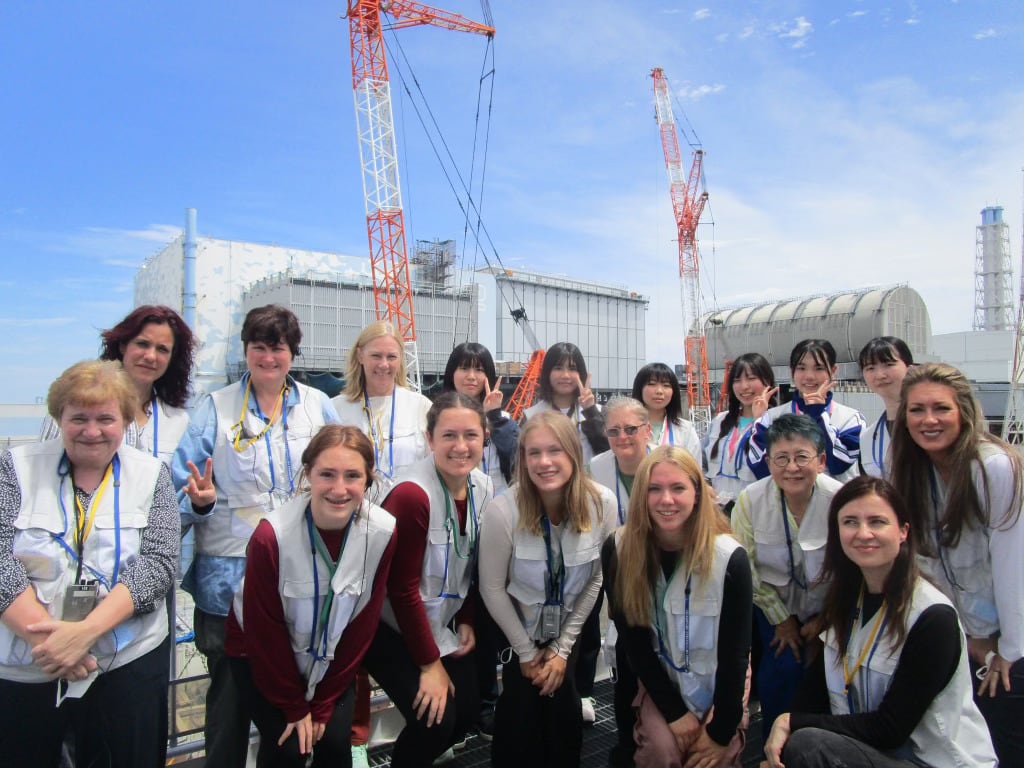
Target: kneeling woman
x,y
426,668
893,687
308,608
681,599
540,576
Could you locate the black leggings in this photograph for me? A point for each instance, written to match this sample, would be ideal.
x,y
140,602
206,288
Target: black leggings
x,y
334,750
535,730
390,664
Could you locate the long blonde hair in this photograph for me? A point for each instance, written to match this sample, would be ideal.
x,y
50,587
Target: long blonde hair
x,y
580,493
638,550
355,379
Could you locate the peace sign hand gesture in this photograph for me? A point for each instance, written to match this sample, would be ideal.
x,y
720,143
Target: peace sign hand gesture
x,y
200,488
820,395
586,396
760,403
493,398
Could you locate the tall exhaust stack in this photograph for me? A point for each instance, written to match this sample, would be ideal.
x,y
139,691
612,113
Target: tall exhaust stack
x,y
993,274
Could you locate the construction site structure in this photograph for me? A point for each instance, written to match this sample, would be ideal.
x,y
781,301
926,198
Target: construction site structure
x,y
1013,429
993,273
385,221
688,201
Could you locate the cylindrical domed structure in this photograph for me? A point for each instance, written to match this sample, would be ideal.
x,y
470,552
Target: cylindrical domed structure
x,y
848,320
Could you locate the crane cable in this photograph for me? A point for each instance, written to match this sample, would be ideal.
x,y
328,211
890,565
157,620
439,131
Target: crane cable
x,y
481,227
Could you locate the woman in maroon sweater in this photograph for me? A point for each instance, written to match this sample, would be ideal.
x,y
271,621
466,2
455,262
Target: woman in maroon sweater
x,y
422,653
309,605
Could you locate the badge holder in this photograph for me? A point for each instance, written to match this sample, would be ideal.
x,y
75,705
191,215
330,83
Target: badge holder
x,y
550,621
79,600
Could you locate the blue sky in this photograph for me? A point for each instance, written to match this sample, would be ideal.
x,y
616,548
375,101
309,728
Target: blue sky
x,y
848,143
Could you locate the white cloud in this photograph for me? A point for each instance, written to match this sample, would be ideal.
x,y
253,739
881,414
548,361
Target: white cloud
x,y
797,31
701,13
855,14
984,34
36,322
696,92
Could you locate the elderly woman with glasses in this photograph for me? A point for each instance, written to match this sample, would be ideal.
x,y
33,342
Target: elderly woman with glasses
x,y
782,522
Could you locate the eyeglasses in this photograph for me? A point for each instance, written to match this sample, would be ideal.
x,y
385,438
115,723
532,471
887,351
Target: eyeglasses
x,y
801,460
631,430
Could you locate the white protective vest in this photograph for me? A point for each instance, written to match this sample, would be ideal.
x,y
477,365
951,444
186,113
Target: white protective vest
x,y
603,472
577,417
952,733
763,502
697,685
109,549
969,564
352,583
683,435
409,431
443,571
728,470
876,449
581,556
245,491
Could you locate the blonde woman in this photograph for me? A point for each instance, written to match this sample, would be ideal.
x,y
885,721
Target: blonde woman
x,y
540,577
681,598
378,400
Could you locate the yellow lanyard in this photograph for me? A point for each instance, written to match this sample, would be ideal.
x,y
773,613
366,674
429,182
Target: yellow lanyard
x,y
83,520
848,673
241,417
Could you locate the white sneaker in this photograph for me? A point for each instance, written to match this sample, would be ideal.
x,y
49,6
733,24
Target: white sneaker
x,y
360,757
587,706
447,756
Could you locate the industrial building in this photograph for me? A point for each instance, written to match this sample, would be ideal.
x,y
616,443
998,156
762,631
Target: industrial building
x,y
332,295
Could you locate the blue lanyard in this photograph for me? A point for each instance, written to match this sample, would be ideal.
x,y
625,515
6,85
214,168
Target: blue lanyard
x,y
63,469
373,434
451,525
737,457
662,650
287,448
947,568
555,582
878,437
319,649
156,428
618,497
789,544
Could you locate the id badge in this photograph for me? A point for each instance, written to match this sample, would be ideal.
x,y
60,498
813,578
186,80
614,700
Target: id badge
x,y
79,600
550,622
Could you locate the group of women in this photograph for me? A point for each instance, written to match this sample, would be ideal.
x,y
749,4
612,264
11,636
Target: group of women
x,y
381,534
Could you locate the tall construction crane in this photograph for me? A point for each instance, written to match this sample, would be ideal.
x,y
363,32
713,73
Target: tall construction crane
x,y
1013,429
687,206
385,222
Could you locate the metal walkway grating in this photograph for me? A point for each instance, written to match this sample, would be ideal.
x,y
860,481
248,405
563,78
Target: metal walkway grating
x,y
597,740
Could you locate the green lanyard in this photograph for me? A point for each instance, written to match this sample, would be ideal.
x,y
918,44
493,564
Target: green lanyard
x,y
451,522
319,548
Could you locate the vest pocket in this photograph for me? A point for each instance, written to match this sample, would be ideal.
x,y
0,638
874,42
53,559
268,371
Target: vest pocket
x,y
299,608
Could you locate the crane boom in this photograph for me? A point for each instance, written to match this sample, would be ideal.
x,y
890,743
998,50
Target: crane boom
x,y
688,202
385,220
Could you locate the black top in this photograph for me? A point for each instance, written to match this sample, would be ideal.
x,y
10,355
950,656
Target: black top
x,y
733,646
927,663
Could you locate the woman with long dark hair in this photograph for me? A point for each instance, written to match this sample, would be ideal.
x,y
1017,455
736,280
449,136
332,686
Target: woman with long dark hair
x,y
751,388
892,688
884,361
470,370
157,349
656,386
564,386
966,487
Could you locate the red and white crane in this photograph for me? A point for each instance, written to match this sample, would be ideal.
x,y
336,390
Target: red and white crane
x,y
385,222
688,200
